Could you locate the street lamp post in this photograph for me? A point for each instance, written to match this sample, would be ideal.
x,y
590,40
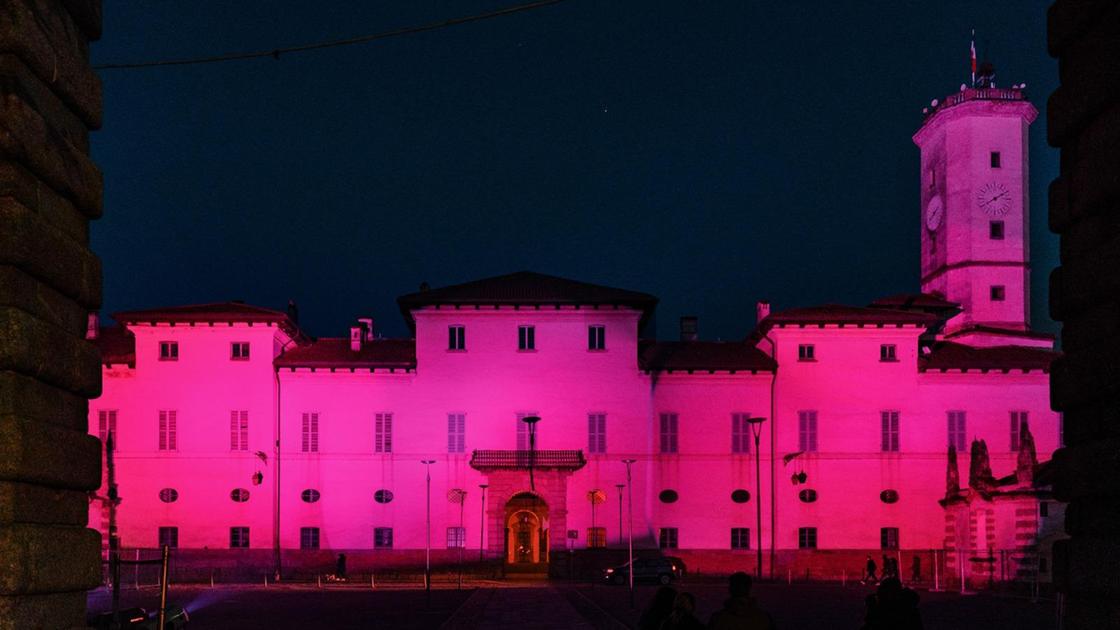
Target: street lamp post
x,y
482,523
630,517
428,544
620,486
531,422
756,430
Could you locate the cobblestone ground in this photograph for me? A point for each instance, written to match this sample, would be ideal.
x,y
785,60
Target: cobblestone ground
x,y
499,606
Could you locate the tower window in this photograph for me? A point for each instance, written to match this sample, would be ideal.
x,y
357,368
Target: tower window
x,y
995,159
169,351
456,338
526,338
597,337
806,537
806,352
888,352
888,538
998,293
995,230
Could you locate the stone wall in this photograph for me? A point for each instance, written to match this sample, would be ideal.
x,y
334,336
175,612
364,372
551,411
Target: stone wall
x,y
1083,120
49,280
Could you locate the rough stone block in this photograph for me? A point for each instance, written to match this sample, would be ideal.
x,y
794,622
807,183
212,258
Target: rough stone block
x,y
29,294
17,80
87,15
1065,21
33,347
26,503
29,242
1090,74
29,398
51,610
1087,517
30,192
1097,324
1087,471
1089,234
45,36
44,559
27,137
44,454
1059,212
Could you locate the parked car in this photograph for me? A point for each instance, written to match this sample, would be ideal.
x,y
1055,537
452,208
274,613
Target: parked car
x,y
140,619
662,570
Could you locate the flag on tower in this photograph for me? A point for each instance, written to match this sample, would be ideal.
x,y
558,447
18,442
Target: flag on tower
x,y
972,57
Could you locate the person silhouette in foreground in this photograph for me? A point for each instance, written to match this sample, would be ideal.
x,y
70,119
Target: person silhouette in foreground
x,y
892,607
340,567
740,611
869,572
683,616
659,609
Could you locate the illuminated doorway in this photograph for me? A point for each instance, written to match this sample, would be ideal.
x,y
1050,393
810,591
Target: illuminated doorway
x,y
526,530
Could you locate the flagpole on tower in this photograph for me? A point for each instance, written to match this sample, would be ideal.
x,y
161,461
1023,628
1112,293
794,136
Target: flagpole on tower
x,y
972,57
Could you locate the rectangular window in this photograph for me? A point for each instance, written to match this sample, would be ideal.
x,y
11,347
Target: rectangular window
x,y
597,433
807,431
239,430
740,538
310,442
995,159
1018,421
889,441
806,352
106,424
169,537
526,338
997,293
957,430
888,352
456,338
239,538
888,538
1043,509
382,537
596,537
667,538
669,433
167,430
309,538
740,433
382,433
597,337
806,537
239,351
169,351
995,230
523,431
456,432
456,537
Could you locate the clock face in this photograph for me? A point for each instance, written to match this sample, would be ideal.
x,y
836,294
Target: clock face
x,y
935,211
994,199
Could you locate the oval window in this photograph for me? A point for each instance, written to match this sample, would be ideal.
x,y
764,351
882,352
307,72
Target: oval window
x,y
889,496
169,495
309,495
383,496
668,496
239,495
740,496
807,495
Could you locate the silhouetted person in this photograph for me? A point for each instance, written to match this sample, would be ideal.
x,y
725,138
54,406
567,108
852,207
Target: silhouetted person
x,y
869,571
659,609
340,567
916,569
740,611
683,616
892,608
888,568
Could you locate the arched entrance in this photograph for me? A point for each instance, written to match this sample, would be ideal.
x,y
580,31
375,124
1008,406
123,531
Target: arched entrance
x,y
526,530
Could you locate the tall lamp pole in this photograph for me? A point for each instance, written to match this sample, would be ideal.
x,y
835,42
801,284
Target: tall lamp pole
x,y
630,517
531,422
482,523
620,486
756,430
428,544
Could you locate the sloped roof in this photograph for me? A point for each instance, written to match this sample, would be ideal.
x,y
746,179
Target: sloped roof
x,y
1006,332
336,352
526,288
846,315
703,355
210,313
117,345
947,355
908,301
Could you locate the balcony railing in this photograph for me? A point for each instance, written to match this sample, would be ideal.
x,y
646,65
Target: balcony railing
x,y
493,459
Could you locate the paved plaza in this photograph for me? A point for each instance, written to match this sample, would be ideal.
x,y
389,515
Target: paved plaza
x,y
503,605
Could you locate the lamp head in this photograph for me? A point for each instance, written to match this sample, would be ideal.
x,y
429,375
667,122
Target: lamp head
x,y
531,420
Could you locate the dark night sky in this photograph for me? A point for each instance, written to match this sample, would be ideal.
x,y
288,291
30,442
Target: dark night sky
x,y
710,153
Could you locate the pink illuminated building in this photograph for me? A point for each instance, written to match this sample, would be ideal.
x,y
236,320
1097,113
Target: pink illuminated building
x,y
239,434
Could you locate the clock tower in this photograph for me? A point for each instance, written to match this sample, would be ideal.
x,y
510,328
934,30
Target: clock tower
x,y
975,210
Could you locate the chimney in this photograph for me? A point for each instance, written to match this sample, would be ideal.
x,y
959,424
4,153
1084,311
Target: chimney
x,y
762,310
367,328
293,312
93,326
355,338
690,325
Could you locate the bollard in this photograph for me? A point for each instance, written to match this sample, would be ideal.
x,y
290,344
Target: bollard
x,y
319,581
789,577
372,584
211,578
266,580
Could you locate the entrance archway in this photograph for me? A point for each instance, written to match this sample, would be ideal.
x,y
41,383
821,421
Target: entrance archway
x,y
526,530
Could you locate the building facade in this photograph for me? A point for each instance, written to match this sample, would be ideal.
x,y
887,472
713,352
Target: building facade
x,y
234,430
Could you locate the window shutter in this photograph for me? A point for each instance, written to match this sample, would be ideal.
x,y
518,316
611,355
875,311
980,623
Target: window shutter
x,y
314,433
171,433
163,430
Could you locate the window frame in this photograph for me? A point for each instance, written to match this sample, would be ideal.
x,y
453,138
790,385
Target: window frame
x,y
596,337
888,353
1018,419
168,535
456,537
596,433
740,538
995,159
309,538
957,420
239,534
890,434
456,338
807,438
807,538
889,536
521,431
239,430
668,538
668,431
168,350
741,433
168,431
382,538
807,352
456,432
239,351
309,432
997,230
383,432
526,338
107,424
997,293
597,537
